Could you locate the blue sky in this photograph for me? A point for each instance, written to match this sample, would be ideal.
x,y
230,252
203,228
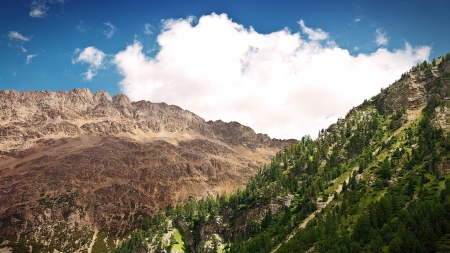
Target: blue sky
x,y
255,62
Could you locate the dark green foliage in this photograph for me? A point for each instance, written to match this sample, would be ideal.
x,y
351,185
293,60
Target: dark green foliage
x,y
398,118
362,229
135,244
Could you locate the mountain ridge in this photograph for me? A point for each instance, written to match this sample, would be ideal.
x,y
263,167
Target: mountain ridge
x,y
83,161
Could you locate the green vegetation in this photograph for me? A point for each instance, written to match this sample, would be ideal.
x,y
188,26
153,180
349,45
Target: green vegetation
x,y
103,243
178,244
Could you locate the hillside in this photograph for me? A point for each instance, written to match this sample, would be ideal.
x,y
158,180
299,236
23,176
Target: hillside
x,y
76,163
376,181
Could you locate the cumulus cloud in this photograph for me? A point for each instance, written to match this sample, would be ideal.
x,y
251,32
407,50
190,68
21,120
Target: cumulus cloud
x,y
380,37
148,29
111,32
29,57
17,36
92,56
39,8
24,50
316,34
279,83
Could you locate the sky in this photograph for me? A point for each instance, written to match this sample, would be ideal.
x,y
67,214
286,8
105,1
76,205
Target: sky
x,y
284,68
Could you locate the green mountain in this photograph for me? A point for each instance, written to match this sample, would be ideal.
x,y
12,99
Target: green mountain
x,y
376,181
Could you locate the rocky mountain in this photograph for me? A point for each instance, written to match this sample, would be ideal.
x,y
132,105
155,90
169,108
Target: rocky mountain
x,y
75,163
377,180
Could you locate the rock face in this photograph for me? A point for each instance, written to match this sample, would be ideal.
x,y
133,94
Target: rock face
x,y
412,90
409,93
78,160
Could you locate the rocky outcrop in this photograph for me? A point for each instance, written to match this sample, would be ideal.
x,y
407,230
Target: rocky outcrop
x,y
414,87
440,167
72,161
443,116
238,134
407,93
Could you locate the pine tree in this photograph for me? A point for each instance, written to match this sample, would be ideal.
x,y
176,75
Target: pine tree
x,y
362,228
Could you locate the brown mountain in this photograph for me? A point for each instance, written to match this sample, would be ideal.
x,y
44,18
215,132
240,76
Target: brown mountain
x,y
82,161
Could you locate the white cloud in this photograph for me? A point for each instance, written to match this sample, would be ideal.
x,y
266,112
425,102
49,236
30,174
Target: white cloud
x,y
380,37
358,19
316,34
81,27
92,56
356,49
279,83
39,8
111,32
17,36
29,57
148,29
24,50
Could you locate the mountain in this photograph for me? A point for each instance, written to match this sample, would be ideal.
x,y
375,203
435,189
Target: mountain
x,y
377,180
75,163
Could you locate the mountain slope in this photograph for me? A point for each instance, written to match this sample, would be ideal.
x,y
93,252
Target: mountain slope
x,y
72,163
376,181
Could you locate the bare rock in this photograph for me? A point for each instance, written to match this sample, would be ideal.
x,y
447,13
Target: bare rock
x,y
83,161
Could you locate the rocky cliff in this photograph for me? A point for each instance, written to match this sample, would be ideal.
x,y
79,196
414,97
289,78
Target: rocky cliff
x,y
77,160
411,91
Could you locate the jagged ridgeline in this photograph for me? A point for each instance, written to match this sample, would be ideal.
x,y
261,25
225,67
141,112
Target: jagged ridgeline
x,y
376,181
79,170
